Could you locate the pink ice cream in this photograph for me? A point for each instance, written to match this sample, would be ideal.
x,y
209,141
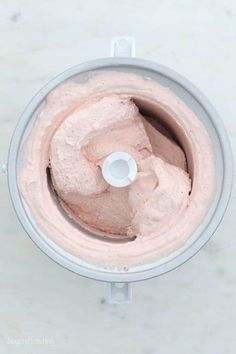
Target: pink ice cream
x,y
79,126
78,149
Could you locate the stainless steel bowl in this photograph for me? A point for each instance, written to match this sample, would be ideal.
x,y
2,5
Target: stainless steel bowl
x,y
196,101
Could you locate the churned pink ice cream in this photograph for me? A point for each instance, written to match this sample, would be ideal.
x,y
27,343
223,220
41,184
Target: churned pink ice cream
x,y
62,181
78,149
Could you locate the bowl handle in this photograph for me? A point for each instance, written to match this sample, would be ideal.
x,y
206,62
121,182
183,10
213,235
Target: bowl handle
x,y
119,293
123,47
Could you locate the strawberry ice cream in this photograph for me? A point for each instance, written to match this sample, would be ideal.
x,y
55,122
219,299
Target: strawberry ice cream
x,y
62,181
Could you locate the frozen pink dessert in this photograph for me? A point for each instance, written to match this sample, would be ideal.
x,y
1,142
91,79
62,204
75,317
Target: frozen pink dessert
x,y
62,181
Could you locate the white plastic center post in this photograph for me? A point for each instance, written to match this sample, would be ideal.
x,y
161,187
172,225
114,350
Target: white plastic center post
x,y
119,169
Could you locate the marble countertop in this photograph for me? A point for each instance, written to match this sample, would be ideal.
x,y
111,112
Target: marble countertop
x,y
43,307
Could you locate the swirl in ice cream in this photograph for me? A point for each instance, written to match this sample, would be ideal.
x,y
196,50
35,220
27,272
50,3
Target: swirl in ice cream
x,y
79,126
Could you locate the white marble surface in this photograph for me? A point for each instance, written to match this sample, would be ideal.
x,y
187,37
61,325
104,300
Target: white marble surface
x,y
46,309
